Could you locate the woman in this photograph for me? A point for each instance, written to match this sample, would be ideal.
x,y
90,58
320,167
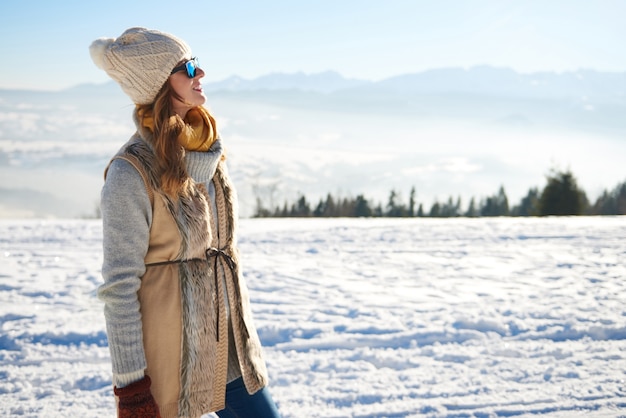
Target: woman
x,y
179,323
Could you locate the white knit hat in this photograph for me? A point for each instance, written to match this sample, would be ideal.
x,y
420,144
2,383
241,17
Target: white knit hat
x,y
140,60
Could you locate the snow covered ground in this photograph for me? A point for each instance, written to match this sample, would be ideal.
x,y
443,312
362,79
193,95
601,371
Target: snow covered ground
x,y
359,317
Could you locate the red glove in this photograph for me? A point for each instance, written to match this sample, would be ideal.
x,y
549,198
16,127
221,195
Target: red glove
x,y
136,401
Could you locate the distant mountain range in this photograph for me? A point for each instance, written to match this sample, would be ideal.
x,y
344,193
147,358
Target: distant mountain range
x,y
481,81
484,80
582,98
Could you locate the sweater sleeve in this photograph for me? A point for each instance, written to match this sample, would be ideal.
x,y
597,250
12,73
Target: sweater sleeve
x,y
127,216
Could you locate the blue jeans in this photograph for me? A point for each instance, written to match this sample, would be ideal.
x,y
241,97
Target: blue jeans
x,y
240,404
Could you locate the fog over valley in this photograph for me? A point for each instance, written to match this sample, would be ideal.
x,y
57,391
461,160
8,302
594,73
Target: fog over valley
x,y
447,132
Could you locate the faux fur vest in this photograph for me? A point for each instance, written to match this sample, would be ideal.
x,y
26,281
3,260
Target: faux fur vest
x,y
192,277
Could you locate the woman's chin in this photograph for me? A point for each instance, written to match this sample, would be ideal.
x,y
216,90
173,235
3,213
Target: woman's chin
x,y
199,99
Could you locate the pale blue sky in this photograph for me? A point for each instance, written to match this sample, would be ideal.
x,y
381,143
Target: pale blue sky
x,y
44,43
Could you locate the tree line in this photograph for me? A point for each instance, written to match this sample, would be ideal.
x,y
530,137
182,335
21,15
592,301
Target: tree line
x,y
561,196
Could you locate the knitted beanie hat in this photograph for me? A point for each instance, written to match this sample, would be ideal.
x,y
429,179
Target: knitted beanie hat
x,y
140,60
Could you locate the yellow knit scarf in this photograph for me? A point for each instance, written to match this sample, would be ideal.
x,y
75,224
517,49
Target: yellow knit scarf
x,y
199,132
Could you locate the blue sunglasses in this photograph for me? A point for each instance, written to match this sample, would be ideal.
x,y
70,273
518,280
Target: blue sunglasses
x,y
190,67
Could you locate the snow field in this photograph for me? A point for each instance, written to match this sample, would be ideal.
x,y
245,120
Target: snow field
x,y
359,317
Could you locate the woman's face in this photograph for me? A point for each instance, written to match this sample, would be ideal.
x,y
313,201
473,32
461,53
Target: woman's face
x,y
189,90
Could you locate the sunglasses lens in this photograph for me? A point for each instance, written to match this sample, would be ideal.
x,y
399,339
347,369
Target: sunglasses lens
x,y
191,67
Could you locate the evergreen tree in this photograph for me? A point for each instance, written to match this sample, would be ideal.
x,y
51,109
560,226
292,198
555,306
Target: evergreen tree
x,y
350,207
529,205
611,203
361,207
472,210
326,208
446,209
394,207
412,202
497,205
378,211
562,196
450,209
301,208
319,209
330,208
435,210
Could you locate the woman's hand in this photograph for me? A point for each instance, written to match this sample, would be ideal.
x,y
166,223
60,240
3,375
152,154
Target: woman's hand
x,y
136,401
